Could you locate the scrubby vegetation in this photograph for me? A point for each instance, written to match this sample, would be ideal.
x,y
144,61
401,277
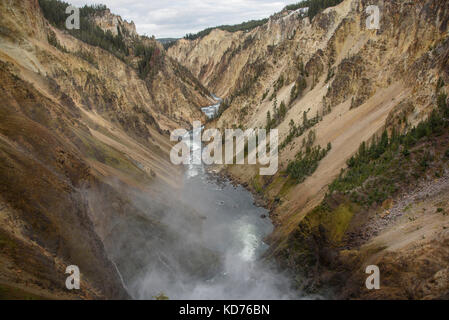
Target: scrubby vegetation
x,y
252,72
149,56
167,42
298,130
278,115
301,81
306,163
330,73
225,104
245,26
51,37
296,6
298,88
54,12
380,168
245,86
279,83
315,6
440,84
87,56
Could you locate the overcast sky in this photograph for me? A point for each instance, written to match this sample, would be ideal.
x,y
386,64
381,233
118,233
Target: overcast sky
x,y
175,18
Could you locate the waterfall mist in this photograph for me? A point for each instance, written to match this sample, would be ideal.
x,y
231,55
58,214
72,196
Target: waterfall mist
x,y
201,241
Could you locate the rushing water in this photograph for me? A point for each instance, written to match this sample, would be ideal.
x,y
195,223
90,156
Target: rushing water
x,y
211,111
234,228
232,232
234,219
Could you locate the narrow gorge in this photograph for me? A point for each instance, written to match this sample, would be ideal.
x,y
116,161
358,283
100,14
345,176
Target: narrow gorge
x,y
86,177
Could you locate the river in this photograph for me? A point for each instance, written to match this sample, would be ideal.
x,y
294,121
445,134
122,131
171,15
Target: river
x,y
230,244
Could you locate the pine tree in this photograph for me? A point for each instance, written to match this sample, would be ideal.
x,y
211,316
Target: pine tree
x,y
282,110
268,120
305,122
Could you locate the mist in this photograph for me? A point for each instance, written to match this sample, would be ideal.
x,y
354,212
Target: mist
x,y
203,240
230,236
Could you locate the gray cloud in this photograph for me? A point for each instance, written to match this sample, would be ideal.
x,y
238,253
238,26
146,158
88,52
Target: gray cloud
x,y
175,18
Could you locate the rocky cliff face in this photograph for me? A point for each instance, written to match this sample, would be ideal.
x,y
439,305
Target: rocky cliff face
x,y
340,83
83,136
115,24
82,133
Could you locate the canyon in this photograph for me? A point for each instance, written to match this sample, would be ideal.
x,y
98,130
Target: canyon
x,y
356,83
86,176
